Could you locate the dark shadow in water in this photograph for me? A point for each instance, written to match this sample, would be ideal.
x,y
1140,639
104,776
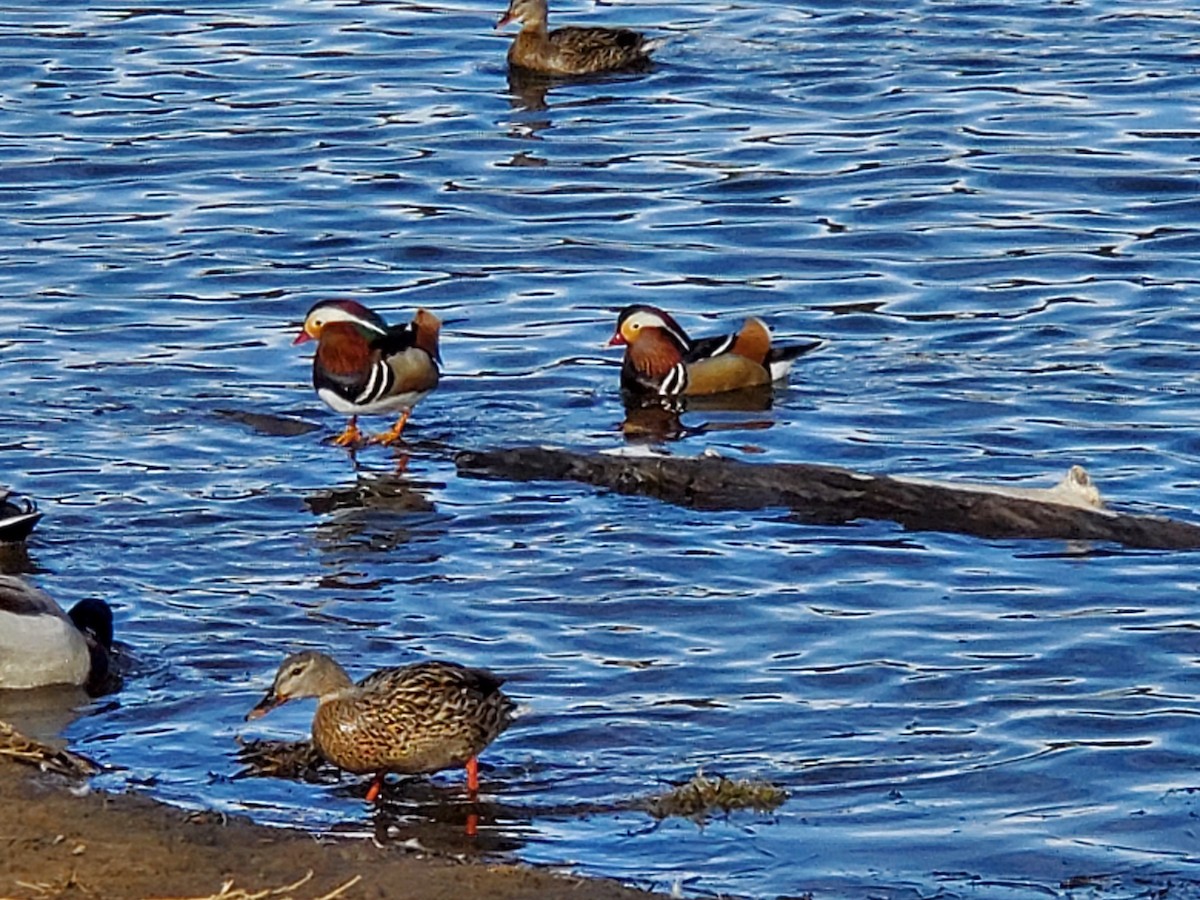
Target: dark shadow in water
x,y
528,89
378,507
15,560
43,713
654,418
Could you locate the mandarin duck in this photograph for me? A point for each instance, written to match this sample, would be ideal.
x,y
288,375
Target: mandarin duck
x,y
413,719
571,50
42,645
660,359
363,366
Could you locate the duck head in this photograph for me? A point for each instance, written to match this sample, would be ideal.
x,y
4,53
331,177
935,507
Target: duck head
x,y
348,311
639,320
306,674
530,13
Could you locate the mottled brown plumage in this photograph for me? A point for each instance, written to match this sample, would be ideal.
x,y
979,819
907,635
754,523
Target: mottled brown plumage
x,y
413,719
571,50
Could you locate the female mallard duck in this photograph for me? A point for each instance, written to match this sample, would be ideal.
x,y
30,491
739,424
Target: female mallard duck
x,y
40,644
571,50
412,719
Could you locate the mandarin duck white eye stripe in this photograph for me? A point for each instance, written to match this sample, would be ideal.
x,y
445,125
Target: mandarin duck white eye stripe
x,y
364,367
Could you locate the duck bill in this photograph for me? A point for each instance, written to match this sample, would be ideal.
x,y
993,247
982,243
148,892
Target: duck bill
x,y
504,20
265,705
301,338
617,340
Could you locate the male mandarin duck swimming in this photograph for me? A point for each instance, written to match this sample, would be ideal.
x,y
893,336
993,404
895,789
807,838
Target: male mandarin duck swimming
x,y
364,366
572,50
661,359
412,719
41,645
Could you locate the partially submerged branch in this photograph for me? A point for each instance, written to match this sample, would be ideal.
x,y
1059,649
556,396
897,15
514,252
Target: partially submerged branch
x,y
832,495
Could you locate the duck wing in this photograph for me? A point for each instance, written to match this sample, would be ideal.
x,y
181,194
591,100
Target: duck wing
x,y
582,49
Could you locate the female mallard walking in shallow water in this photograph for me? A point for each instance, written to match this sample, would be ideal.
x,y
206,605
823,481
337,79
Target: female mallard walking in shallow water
x,y
413,719
571,50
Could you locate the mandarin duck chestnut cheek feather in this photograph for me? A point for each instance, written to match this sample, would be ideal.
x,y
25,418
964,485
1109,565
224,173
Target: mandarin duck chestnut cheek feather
x,y
363,366
660,358
572,50
413,719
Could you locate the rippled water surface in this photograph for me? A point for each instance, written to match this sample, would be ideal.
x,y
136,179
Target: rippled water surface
x,y
988,211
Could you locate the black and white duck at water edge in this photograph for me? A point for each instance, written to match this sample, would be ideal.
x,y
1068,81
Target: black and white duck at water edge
x,y
40,644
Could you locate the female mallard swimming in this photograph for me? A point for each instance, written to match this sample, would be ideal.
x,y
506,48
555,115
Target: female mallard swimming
x,y
40,644
412,719
571,50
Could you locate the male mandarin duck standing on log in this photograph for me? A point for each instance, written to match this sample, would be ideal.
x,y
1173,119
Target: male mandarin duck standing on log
x,y
661,359
572,50
363,366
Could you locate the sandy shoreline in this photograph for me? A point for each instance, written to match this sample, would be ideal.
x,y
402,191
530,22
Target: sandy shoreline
x,y
57,844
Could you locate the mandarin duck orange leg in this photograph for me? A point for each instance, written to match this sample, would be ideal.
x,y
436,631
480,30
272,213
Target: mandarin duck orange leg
x,y
351,437
392,435
473,774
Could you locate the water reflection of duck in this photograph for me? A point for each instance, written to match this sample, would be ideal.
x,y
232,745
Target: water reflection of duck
x,y
412,719
17,517
42,645
655,418
364,366
662,361
572,50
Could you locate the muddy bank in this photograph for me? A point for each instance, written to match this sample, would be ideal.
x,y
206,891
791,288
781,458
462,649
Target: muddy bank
x,y
56,844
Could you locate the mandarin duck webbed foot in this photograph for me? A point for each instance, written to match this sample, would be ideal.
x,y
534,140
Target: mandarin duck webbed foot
x,y
413,719
392,435
363,366
351,437
661,361
572,50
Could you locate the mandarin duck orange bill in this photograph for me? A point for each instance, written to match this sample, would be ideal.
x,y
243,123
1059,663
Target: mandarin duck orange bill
x,y
660,358
571,50
411,720
363,366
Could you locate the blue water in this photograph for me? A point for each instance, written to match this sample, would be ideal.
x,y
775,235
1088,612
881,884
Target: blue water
x,y
989,212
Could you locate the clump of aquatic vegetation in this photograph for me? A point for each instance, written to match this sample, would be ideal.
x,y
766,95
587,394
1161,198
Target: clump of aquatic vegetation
x,y
701,796
282,759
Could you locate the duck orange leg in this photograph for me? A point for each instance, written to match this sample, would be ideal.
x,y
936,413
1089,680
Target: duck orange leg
x,y
472,774
393,434
376,787
351,435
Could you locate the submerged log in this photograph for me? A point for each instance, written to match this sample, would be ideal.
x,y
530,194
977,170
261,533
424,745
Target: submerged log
x,y
832,495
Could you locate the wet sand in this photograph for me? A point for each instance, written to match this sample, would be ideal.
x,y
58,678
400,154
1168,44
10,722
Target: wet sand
x,y
56,844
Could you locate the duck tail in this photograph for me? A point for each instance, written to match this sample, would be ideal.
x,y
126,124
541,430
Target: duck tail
x,y
780,359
